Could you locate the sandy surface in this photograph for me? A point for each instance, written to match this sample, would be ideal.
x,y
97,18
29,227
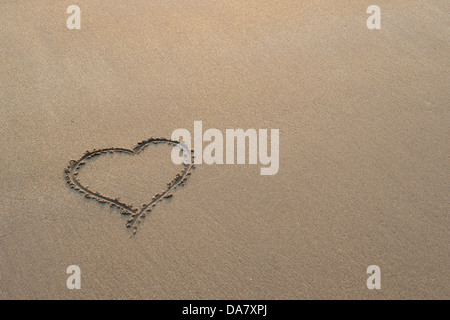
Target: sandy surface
x,y
364,148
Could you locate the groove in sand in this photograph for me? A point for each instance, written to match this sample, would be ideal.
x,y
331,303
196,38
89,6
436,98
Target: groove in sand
x,y
137,214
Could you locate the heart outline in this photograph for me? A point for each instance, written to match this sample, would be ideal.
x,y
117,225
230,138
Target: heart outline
x,y
126,209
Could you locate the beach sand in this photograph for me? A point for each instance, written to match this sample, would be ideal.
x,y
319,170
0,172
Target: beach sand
x,y
364,149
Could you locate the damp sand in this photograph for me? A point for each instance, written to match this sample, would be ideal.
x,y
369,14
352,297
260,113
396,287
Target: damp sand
x,y
363,118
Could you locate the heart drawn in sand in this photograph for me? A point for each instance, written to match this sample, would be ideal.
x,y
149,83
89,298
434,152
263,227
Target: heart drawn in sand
x,y
136,213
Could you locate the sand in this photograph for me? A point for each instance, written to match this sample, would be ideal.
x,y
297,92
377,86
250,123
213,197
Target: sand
x,y
364,149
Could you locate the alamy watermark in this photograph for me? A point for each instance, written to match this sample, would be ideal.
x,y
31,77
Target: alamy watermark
x,y
74,280
374,280
237,141
74,20
374,20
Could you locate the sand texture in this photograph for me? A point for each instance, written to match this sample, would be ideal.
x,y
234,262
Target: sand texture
x,y
364,149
